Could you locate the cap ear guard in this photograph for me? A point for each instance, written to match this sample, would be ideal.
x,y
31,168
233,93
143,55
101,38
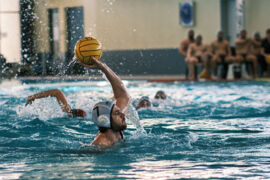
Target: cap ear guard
x,y
104,121
101,114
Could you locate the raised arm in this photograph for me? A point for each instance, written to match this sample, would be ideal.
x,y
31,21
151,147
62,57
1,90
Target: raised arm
x,y
120,93
52,93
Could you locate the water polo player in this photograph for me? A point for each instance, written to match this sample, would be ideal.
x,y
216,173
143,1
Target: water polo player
x,y
144,102
108,116
161,95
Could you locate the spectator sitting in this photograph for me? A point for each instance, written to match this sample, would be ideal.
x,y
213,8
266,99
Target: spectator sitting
x,y
183,48
242,47
256,51
265,51
198,52
221,54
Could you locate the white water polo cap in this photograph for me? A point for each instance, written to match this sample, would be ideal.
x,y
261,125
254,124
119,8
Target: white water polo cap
x,y
101,114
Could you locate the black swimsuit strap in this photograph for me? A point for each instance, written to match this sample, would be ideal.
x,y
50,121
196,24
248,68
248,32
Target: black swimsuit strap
x,y
121,134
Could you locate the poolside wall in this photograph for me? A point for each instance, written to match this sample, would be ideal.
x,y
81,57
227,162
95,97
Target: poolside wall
x,y
144,36
129,24
138,37
257,16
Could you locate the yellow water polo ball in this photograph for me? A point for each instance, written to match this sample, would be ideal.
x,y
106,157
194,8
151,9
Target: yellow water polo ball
x,y
86,48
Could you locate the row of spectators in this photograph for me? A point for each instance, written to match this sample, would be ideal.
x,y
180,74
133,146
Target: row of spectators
x,y
250,51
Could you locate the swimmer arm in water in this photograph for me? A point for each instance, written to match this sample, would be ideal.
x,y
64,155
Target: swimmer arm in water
x,y
60,99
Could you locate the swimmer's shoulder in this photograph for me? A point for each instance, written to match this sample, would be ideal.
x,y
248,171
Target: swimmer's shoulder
x,y
101,141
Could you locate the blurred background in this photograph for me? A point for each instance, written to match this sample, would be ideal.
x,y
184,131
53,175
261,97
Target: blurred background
x,y
139,37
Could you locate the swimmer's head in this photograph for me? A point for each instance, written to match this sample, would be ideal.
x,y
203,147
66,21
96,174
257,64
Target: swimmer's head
x,y
243,34
190,34
144,102
220,35
198,39
160,95
78,113
106,115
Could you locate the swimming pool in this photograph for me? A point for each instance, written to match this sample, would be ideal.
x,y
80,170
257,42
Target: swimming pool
x,y
204,130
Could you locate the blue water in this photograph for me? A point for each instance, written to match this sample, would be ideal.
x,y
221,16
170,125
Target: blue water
x,y
203,131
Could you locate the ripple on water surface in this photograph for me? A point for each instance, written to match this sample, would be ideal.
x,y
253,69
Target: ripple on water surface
x,y
203,130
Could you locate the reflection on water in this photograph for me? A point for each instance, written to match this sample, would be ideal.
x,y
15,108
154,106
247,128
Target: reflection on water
x,y
184,169
204,130
12,171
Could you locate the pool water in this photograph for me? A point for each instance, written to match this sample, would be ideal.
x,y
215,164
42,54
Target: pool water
x,y
203,130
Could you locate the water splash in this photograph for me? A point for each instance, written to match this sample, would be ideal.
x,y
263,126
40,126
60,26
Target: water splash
x,y
133,118
65,68
43,109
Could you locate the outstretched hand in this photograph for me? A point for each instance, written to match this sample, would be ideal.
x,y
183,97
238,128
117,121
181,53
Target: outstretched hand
x,y
97,64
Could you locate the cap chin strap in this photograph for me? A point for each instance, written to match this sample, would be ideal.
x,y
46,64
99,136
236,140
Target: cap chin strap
x,y
103,119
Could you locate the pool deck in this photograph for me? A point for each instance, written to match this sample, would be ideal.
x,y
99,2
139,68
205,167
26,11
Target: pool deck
x,y
148,78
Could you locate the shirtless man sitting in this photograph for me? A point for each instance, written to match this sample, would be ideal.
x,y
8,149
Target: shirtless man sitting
x,y
184,45
108,116
243,51
256,50
183,48
199,52
221,54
